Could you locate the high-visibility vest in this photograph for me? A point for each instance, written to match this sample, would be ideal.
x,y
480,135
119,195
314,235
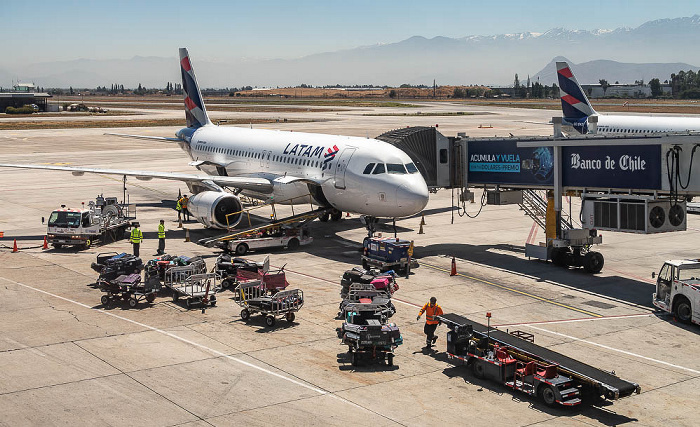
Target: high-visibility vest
x,y
178,206
161,231
136,236
183,203
431,313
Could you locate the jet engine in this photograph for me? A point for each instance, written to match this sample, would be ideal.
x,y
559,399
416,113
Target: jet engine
x,y
212,207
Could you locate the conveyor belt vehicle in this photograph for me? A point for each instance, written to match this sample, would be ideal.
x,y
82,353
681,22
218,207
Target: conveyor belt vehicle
x,y
521,365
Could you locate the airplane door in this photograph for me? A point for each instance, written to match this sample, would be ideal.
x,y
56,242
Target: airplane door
x,y
341,167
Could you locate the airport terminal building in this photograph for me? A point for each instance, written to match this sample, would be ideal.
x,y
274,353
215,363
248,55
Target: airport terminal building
x,y
23,94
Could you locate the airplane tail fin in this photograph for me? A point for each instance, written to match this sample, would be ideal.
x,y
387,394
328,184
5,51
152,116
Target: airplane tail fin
x,y
195,112
574,103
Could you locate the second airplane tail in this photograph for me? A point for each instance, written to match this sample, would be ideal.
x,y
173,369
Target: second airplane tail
x,y
574,103
195,112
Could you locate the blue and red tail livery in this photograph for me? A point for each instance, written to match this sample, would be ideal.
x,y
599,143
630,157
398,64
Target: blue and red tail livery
x,y
574,103
195,112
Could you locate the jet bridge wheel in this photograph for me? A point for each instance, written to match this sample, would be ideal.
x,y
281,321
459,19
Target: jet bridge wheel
x,y
593,262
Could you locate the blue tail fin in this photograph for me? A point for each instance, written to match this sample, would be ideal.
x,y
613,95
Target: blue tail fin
x,y
574,103
195,112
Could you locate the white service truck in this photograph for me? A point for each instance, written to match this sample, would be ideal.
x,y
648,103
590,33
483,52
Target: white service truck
x,y
678,289
103,220
273,237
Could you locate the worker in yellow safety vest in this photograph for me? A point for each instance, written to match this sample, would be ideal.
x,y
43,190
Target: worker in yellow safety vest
x,y
183,206
136,238
432,311
161,237
178,208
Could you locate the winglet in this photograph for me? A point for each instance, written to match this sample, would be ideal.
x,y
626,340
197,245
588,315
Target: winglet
x,y
574,103
195,111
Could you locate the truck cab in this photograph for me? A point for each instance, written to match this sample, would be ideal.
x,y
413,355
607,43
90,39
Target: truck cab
x,y
678,289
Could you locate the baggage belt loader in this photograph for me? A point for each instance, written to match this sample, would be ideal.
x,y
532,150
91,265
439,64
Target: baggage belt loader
x,y
521,365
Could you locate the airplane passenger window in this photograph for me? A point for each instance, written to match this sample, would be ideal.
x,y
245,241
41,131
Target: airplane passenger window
x,y
368,169
379,169
395,168
411,168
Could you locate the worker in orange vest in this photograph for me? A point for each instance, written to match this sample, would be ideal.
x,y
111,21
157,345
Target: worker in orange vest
x,y
432,311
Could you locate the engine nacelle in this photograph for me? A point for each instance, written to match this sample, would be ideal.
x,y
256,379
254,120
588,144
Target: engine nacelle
x,y
211,208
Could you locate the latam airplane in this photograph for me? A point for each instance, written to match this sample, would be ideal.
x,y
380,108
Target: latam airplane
x,y
577,109
350,174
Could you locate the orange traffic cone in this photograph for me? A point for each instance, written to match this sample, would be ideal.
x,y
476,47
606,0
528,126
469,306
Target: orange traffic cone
x,y
46,244
420,230
453,272
14,248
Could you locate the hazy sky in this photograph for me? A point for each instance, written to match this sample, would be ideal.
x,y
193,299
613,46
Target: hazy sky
x,y
38,30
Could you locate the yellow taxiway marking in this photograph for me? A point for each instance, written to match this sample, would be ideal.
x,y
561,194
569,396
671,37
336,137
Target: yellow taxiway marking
x,y
508,288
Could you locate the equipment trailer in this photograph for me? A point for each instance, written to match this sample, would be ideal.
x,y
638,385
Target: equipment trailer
x,y
524,366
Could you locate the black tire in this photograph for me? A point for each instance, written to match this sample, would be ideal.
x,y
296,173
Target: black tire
x,y
104,300
241,249
390,359
336,215
225,283
57,245
245,314
188,302
87,244
478,369
683,310
212,301
133,302
593,262
176,296
324,217
547,395
150,298
293,244
270,321
290,317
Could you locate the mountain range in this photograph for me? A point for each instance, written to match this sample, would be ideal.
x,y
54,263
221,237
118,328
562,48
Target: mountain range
x,y
654,49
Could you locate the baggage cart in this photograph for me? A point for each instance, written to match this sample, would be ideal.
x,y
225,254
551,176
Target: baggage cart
x,y
368,335
254,297
192,283
129,288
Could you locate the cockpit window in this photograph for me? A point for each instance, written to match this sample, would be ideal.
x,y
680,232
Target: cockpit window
x,y
395,168
379,169
411,168
368,169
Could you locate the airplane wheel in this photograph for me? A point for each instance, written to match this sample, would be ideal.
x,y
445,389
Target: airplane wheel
x,y
336,215
241,249
324,217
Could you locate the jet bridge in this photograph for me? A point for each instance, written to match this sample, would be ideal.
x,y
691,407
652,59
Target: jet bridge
x,y
636,184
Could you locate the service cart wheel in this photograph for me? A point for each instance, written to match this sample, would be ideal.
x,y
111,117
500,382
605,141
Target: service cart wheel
x,y
547,395
355,358
241,249
290,317
150,298
176,296
126,296
133,302
270,321
188,302
390,359
593,262
104,300
225,283
478,369
683,310
245,314
212,301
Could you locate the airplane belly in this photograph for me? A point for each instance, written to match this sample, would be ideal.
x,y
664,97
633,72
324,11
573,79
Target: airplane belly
x,y
359,198
294,193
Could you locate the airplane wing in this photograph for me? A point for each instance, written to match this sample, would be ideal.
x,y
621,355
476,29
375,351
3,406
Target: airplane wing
x,y
157,138
261,185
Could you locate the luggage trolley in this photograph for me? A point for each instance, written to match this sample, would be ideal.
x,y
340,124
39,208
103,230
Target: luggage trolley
x,y
129,288
255,297
192,283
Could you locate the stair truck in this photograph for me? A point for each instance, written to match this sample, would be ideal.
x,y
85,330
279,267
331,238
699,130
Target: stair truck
x,y
521,365
104,220
678,289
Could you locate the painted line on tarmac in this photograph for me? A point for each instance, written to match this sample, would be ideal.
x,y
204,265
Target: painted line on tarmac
x,y
507,288
607,347
171,335
581,319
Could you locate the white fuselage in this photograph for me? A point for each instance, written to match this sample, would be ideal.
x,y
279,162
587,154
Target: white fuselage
x,y
617,124
299,164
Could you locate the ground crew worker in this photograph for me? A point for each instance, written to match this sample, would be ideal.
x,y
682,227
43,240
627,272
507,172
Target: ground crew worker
x,y
178,208
183,205
432,311
136,238
161,237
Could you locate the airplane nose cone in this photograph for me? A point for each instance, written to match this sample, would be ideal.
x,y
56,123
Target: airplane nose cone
x,y
411,199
